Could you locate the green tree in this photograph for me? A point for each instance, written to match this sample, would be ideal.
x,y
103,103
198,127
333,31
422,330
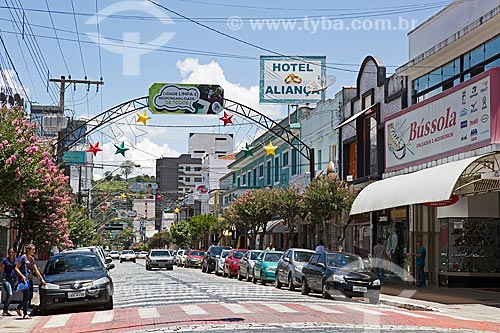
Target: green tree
x,y
82,230
159,240
199,227
218,228
125,238
127,168
289,206
328,200
180,234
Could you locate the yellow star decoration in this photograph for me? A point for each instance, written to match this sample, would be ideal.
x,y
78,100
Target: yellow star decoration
x,y
177,210
142,118
270,149
123,196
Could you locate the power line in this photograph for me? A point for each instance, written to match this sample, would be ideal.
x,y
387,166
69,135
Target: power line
x,y
14,69
78,37
58,41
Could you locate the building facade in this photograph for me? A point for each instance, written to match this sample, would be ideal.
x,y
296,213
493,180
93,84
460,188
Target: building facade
x,y
213,144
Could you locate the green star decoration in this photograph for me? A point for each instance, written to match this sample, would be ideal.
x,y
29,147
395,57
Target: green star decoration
x,y
121,149
248,150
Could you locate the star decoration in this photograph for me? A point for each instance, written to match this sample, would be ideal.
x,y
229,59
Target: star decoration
x,y
247,150
270,149
142,118
94,148
227,119
123,196
177,210
121,149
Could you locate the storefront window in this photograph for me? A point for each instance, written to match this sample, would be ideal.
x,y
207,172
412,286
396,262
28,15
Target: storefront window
x,y
362,235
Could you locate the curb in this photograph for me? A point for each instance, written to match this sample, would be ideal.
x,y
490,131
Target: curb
x,y
408,306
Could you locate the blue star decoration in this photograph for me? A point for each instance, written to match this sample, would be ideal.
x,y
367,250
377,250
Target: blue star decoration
x,y
247,150
121,149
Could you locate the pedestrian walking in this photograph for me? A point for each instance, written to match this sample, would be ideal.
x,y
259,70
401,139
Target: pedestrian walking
x,y
25,267
420,263
380,254
320,247
8,279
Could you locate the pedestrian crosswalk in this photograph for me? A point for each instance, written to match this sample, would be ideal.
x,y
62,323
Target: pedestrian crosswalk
x,y
303,311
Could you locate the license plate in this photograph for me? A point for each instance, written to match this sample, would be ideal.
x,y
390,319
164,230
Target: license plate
x,y
78,294
360,289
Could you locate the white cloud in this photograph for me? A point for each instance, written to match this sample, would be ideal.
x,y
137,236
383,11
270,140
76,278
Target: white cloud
x,y
212,73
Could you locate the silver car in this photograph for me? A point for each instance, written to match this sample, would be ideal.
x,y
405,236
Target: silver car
x,y
289,271
159,258
178,257
219,263
246,265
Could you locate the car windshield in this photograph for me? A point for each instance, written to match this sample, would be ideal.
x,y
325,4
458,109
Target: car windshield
x,y
72,263
224,254
238,254
160,253
113,252
302,256
272,257
255,255
344,260
197,253
127,252
216,251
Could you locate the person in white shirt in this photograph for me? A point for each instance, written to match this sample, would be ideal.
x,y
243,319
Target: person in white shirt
x,y
321,247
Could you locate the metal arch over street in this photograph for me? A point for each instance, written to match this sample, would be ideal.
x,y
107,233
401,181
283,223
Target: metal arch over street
x,y
136,104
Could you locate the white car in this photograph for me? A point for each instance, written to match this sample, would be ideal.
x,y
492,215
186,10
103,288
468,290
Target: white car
x,y
219,263
127,255
114,255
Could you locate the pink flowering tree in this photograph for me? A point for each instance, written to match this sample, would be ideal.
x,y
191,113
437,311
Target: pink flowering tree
x,y
328,200
37,190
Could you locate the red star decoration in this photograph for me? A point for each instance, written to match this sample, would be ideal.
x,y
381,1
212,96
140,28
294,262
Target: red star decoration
x,y
227,118
94,148
159,197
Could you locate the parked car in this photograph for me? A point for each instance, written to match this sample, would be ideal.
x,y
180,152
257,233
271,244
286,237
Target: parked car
x,y
127,255
265,266
219,263
178,257
232,262
159,258
76,279
245,269
339,274
289,271
194,258
97,249
143,254
209,259
114,254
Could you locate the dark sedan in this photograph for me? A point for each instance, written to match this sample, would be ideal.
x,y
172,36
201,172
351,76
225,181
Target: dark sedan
x,y
76,279
340,274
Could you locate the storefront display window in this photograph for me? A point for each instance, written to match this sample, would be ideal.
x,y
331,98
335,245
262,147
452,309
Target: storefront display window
x,y
362,235
469,252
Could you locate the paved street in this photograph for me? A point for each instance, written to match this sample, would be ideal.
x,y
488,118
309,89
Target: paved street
x,y
185,300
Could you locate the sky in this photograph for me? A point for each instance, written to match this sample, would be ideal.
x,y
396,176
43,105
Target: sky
x,y
132,44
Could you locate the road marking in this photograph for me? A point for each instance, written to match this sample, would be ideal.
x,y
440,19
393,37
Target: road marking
x,y
102,317
453,316
57,321
407,313
279,307
193,310
236,308
366,311
147,313
320,308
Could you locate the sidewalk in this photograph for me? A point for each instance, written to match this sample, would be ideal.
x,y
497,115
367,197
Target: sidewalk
x,y
15,324
474,304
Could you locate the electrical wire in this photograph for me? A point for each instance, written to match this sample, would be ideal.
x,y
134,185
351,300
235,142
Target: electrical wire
x,y
78,37
58,41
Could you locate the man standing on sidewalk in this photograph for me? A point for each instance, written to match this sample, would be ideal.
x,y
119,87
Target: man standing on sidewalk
x,y
420,263
379,253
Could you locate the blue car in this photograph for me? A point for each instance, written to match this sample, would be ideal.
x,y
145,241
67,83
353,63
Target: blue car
x,y
265,266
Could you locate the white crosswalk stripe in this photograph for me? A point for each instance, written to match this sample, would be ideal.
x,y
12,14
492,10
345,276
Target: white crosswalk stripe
x,y
103,317
148,313
193,310
57,321
279,307
366,311
320,308
236,308
407,313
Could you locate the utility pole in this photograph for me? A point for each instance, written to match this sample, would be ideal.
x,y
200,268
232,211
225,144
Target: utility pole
x,y
65,83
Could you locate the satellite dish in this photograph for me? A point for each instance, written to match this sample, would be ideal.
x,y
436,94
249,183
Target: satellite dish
x,y
321,84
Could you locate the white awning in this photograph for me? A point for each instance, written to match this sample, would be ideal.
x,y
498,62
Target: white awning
x,y
428,185
345,122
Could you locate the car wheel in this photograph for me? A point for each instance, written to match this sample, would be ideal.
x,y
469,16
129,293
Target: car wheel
x,y
134,261
216,272
262,281
121,261
203,269
171,268
239,275
324,292
373,300
109,304
291,286
254,279
304,289
277,282
249,278
148,268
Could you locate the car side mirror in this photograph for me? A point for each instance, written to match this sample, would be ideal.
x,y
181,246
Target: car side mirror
x,y
110,266
108,260
320,264
286,259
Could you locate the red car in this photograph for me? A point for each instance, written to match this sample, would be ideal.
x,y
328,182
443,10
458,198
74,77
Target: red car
x,y
194,258
232,262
